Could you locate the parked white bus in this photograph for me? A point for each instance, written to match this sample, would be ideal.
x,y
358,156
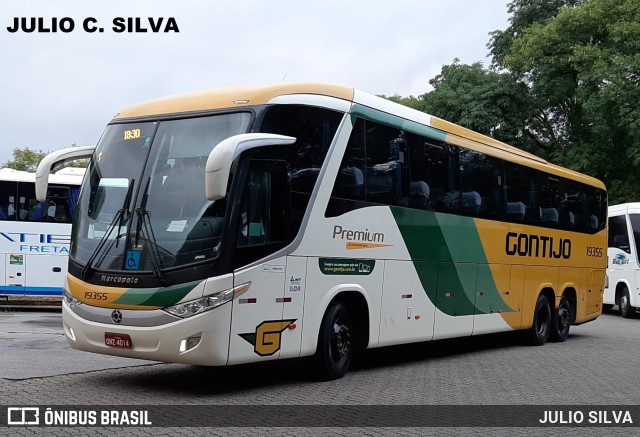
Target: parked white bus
x,y
258,223
623,269
34,236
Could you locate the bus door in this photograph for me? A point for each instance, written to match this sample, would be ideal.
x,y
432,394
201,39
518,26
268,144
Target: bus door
x,y
256,321
293,306
258,327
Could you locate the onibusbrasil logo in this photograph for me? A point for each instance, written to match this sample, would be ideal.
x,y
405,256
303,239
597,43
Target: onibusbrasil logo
x,y
48,416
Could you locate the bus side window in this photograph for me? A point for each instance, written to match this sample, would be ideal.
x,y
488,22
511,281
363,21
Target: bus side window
x,y
635,228
480,184
618,235
373,169
433,176
520,194
264,211
597,204
8,190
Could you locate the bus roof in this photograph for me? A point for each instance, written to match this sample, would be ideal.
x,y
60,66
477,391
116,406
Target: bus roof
x,y
230,97
624,208
62,176
237,97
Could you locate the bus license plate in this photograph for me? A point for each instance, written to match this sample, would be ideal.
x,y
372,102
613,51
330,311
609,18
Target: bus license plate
x,y
118,340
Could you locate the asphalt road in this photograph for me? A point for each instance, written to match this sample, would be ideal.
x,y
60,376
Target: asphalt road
x,y
598,365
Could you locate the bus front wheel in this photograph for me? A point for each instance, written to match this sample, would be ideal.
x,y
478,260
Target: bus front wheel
x,y
335,342
539,332
626,310
561,321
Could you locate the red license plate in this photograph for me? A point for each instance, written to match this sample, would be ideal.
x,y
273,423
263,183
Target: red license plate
x,y
118,340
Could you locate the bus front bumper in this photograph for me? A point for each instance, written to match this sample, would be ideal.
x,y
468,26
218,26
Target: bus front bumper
x,y
201,340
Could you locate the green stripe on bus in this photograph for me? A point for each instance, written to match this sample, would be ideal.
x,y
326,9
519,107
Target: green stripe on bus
x,y
156,297
397,122
450,261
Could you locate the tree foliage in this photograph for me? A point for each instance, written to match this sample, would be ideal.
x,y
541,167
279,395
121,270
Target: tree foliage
x,y
27,159
491,103
564,83
583,68
524,14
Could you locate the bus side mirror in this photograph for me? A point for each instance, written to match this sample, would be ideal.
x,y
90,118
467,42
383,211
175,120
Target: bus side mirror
x,y
54,158
226,151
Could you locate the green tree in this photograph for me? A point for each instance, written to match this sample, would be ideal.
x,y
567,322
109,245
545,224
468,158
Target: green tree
x,y
25,159
411,101
524,14
564,83
583,71
488,102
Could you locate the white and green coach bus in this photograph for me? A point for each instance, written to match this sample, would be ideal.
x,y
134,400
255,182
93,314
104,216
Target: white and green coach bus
x,y
248,224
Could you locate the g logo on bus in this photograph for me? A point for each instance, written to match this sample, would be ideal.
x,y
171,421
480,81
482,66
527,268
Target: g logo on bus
x,y
266,339
116,316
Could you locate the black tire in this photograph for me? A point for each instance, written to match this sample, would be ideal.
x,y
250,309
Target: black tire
x,y
561,321
335,343
626,310
539,331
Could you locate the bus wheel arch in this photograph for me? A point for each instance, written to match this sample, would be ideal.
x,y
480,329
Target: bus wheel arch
x,y
623,302
542,318
344,329
563,316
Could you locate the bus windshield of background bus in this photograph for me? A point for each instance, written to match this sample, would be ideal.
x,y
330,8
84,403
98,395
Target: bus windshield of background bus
x,y
167,220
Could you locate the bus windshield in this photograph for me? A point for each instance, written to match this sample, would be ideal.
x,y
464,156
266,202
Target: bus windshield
x,y
143,205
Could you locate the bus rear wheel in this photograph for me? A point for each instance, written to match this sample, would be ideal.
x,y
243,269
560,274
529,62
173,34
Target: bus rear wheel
x,y
561,322
335,342
539,331
626,310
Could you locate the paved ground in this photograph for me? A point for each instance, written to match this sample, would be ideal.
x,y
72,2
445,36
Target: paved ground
x,y
597,365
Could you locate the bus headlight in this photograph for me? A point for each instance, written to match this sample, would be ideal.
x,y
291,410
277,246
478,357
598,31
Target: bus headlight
x,y
199,306
71,301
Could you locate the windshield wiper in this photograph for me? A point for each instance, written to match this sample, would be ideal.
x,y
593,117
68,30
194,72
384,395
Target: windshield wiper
x,y
144,220
119,217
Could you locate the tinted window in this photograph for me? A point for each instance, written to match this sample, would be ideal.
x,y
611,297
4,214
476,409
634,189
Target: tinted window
x,y
618,236
480,181
18,202
264,211
384,165
314,129
550,195
373,169
519,194
8,200
597,206
635,227
434,171
58,206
